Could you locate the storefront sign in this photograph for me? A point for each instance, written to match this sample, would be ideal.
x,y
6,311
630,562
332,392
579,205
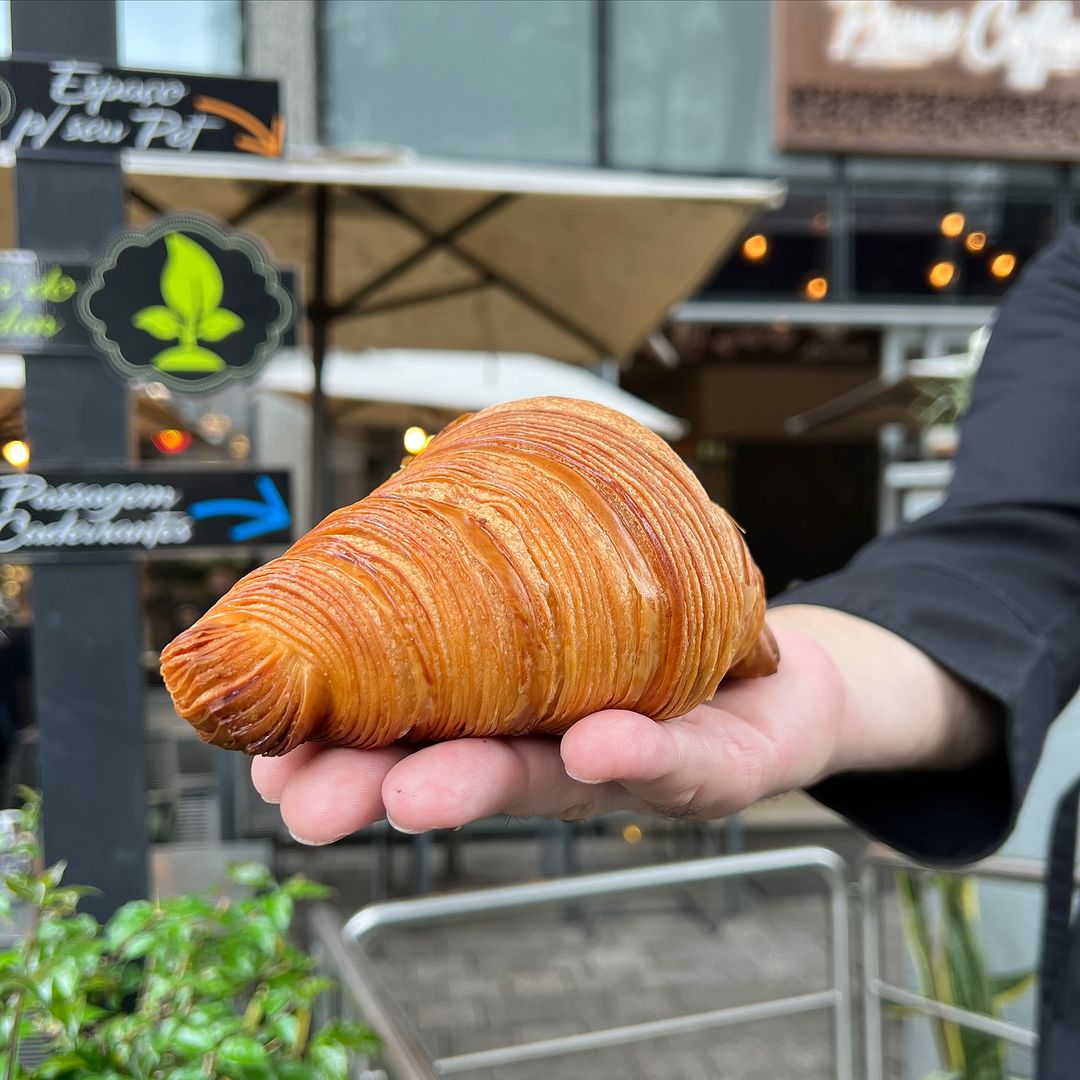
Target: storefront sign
x,y
187,303
150,510
72,105
989,78
37,304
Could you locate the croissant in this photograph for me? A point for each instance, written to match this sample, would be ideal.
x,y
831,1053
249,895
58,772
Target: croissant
x,y
539,561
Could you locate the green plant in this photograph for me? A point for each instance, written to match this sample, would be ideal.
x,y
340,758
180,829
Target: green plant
x,y
951,968
196,986
936,403
192,288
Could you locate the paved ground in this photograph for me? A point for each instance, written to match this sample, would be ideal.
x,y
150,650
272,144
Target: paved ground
x,y
535,975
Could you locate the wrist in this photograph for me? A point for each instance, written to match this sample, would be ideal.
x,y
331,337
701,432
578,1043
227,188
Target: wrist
x,y
896,707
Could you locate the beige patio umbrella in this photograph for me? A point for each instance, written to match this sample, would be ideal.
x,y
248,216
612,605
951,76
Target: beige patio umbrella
x,y
574,264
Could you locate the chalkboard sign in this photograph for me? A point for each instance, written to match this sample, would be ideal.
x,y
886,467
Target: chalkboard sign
x,y
150,510
39,298
186,302
73,105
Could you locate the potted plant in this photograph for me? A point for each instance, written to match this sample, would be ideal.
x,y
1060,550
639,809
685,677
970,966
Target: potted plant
x,y
184,988
940,916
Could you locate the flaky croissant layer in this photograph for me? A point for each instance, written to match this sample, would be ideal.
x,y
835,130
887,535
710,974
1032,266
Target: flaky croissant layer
x,y
539,561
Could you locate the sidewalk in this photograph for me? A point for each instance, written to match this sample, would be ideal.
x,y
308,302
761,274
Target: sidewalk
x,y
543,973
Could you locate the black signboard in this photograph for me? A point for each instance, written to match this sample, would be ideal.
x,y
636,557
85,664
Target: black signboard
x,y
187,303
150,510
73,105
39,298
37,304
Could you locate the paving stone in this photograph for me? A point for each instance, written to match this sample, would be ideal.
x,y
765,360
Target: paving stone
x,y
537,975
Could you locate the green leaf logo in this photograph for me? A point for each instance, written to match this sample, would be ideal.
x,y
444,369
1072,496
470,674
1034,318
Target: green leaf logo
x,y
192,289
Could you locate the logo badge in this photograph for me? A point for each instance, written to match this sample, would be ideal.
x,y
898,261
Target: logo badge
x,y
187,303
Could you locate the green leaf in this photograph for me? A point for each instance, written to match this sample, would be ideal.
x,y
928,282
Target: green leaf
x,y
126,922
191,281
57,1065
218,324
356,1037
190,1041
25,887
139,945
279,907
65,979
330,1059
241,1055
252,874
55,874
300,888
160,322
188,358
1010,986
286,1028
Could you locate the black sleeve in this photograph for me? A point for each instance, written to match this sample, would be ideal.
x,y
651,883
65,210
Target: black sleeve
x,y
989,584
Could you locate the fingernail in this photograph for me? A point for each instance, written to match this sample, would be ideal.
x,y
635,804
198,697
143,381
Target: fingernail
x,y
316,843
581,779
401,828
271,802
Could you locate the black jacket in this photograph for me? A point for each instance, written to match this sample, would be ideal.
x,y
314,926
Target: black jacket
x,y
989,585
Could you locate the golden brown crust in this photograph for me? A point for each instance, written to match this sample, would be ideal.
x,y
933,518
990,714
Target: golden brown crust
x,y
541,560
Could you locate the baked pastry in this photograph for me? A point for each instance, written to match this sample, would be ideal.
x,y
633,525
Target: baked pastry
x,y
539,561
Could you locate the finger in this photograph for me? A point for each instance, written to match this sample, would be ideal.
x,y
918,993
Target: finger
x,y
705,764
270,774
337,792
451,784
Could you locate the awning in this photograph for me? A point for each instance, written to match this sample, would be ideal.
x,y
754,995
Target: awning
x,y
453,383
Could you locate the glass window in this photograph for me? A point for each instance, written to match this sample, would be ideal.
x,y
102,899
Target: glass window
x,y
462,78
689,86
968,244
181,35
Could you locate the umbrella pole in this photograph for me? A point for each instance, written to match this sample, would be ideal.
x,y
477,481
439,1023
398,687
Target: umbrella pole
x,y
318,317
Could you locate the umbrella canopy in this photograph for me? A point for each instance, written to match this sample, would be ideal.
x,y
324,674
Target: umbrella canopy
x,y
576,264
455,383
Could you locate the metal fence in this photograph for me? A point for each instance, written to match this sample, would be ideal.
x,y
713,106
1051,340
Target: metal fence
x,y
876,992
342,949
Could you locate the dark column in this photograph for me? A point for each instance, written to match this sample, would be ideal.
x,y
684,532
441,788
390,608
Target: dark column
x,y
88,686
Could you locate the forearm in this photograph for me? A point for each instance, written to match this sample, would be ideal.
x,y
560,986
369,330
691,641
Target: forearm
x,y
899,709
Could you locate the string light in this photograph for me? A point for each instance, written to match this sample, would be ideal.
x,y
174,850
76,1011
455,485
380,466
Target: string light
x,y
755,247
817,288
415,439
941,274
952,224
16,453
1003,264
975,242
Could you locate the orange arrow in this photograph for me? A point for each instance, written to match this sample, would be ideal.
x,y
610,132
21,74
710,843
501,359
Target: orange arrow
x,y
267,141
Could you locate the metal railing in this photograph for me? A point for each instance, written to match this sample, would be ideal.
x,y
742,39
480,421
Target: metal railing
x,y
403,1049
876,992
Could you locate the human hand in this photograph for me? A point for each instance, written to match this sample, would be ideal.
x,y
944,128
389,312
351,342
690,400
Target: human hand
x,y
755,738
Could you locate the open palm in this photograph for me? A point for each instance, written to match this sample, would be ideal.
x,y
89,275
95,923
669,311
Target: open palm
x,y
755,738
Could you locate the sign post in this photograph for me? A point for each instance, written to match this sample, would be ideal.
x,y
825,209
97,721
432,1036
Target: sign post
x,y
88,678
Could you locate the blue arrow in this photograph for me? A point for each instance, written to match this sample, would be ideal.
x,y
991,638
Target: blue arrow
x,y
267,516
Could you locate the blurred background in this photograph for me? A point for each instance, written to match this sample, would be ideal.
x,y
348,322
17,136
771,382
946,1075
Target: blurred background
x,y
774,232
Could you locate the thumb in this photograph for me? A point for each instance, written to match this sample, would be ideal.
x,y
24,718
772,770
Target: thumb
x,y
706,764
